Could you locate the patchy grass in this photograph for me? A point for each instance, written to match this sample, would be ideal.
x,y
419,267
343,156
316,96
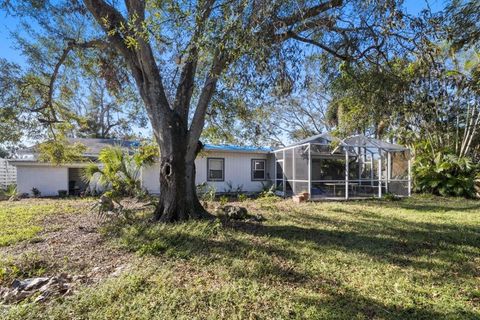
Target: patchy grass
x,y
28,265
22,220
418,258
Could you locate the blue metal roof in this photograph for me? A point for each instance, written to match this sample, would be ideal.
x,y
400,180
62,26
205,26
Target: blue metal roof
x,y
229,147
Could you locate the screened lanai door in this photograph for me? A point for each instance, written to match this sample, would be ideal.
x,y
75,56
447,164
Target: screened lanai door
x,y
292,170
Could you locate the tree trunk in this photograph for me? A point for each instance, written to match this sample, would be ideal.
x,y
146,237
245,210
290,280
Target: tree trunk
x,y
178,197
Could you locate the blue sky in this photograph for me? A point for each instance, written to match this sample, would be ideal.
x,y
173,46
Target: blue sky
x,y
9,24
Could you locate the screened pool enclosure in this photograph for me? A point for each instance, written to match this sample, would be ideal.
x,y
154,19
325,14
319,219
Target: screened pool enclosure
x,y
325,167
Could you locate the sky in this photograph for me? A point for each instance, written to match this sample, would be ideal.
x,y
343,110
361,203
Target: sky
x,y
9,24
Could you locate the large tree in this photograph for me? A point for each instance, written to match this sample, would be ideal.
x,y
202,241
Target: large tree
x,y
179,53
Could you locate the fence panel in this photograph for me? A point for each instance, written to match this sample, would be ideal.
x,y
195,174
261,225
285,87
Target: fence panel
x,y
8,174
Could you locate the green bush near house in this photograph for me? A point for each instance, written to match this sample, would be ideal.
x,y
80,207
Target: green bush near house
x,y
120,170
445,175
9,191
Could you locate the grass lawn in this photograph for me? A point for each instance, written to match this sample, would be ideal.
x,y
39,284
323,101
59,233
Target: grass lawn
x,y
21,221
418,258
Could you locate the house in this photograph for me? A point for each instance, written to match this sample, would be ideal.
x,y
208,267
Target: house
x,y
226,168
320,167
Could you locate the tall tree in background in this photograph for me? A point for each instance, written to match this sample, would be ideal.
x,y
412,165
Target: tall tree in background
x,y
101,115
90,100
14,124
429,97
179,52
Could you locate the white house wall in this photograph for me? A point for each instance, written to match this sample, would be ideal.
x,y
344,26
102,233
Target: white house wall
x,y
237,172
150,177
48,180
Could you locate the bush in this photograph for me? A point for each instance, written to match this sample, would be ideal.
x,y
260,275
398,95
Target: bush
x,y
206,192
390,197
268,191
445,175
36,193
62,193
242,197
223,200
120,171
10,191
231,190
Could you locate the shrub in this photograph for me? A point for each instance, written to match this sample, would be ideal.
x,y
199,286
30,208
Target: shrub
x,y
62,193
445,175
206,192
477,185
242,197
390,196
223,200
10,191
120,171
230,189
36,193
268,191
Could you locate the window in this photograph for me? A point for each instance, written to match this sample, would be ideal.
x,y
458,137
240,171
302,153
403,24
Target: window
x,y
215,169
258,169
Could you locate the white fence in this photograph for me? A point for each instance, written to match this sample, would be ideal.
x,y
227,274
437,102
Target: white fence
x,y
8,174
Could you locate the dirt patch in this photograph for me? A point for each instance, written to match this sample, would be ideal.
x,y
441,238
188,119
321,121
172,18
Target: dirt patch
x,y
72,242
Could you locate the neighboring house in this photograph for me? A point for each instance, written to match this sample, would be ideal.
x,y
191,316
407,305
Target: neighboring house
x,y
227,168
320,167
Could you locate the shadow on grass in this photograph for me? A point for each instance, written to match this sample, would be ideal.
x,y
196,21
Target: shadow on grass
x,y
270,253
439,247
353,305
366,221
387,239
431,204
391,245
269,262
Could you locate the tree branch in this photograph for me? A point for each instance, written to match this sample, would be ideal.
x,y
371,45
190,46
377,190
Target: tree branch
x,y
140,59
71,45
187,77
333,52
303,15
198,121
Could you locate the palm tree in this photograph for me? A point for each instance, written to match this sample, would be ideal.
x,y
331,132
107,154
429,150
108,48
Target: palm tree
x,y
119,170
